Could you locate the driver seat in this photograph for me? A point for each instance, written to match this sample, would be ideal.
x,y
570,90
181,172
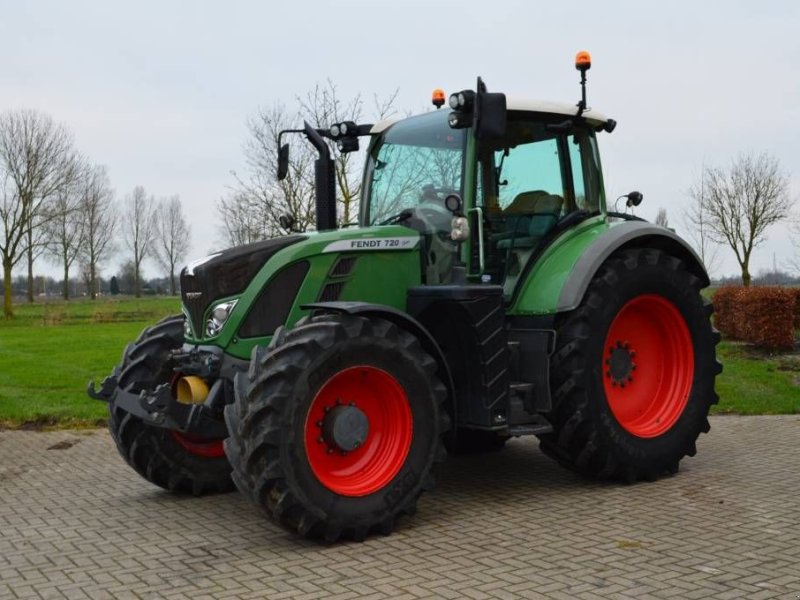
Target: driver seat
x,y
533,214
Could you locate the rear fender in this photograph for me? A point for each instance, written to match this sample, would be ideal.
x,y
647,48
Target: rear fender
x,y
561,275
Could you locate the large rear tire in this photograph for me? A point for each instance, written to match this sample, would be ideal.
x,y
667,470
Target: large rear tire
x,y
337,426
633,371
171,460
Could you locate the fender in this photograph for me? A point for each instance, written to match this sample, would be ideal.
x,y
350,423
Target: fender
x,y
399,318
631,234
560,275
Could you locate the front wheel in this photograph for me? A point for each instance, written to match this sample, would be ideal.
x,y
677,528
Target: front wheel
x,y
633,371
336,428
170,459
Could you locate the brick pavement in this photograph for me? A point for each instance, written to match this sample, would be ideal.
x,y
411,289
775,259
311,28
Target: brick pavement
x,y
76,522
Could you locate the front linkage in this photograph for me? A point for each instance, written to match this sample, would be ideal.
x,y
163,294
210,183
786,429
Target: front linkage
x,y
159,408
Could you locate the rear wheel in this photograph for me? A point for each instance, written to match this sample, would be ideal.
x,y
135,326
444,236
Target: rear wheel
x,y
170,459
633,371
337,426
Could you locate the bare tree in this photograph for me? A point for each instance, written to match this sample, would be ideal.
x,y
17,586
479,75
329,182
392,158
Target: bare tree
x,y
64,231
696,221
172,237
99,224
37,160
253,209
322,107
741,202
245,219
661,218
139,230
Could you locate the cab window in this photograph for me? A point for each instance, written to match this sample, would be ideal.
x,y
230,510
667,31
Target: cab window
x,y
529,181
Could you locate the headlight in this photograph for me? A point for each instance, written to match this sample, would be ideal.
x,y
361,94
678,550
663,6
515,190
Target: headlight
x,y
219,315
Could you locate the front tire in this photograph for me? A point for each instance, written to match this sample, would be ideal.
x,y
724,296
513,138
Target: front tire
x,y
337,427
169,459
633,371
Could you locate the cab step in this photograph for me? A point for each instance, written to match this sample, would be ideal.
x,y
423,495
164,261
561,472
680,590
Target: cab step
x,y
538,425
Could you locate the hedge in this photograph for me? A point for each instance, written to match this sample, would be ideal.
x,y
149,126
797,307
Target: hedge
x,y
765,316
796,307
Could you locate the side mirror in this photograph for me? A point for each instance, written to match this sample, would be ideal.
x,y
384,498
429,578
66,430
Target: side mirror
x,y
634,199
283,162
491,116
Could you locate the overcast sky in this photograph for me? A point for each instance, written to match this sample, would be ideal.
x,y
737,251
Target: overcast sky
x,y
159,92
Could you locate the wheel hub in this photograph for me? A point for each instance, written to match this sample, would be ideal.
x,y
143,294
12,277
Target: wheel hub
x,y
619,364
345,428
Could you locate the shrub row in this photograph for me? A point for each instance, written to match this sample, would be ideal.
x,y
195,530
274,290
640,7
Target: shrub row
x,y
796,307
765,316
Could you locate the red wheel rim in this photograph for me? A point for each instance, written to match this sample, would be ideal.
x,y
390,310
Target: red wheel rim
x,y
199,446
383,452
648,364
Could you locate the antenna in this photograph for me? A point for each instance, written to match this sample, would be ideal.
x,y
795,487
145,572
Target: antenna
x,y
583,62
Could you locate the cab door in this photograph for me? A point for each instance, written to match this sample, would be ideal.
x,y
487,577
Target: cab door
x,y
527,183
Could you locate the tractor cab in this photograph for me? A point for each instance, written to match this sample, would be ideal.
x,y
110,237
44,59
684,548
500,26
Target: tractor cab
x,y
518,189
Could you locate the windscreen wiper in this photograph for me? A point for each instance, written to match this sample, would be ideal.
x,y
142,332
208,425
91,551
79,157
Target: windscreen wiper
x,y
403,215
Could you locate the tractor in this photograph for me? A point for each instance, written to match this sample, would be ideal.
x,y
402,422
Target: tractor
x,y
486,294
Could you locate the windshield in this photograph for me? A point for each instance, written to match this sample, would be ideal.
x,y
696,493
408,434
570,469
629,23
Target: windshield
x,y
416,163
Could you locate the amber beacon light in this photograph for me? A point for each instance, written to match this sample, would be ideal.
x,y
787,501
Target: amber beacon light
x,y
437,98
583,60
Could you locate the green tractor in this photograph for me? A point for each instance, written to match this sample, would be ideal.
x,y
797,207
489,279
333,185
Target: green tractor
x,y
486,294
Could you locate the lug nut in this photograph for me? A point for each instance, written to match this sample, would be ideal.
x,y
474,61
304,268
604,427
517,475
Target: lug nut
x,y
330,450
320,439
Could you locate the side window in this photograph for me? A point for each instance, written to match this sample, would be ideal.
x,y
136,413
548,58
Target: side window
x,y
529,171
585,172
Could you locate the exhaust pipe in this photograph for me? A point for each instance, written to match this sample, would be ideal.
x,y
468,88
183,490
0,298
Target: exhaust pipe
x,y
324,180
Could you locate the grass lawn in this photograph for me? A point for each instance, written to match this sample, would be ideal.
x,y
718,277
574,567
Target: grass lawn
x,y
757,383
48,353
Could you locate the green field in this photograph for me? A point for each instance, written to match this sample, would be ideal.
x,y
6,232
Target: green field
x,y
49,351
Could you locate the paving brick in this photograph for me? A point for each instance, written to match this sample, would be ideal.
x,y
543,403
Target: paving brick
x,y
78,523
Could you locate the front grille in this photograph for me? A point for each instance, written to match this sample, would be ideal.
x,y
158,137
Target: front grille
x,y
226,275
194,295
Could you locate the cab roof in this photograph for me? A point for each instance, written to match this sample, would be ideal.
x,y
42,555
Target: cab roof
x,y
522,104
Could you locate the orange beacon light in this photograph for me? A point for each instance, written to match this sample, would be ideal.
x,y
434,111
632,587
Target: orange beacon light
x,y
437,98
